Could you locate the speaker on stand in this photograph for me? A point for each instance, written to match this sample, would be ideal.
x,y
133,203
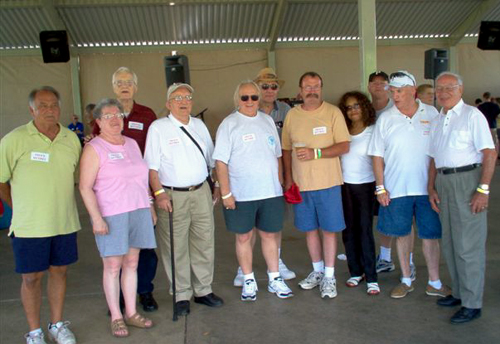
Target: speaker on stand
x,y
55,47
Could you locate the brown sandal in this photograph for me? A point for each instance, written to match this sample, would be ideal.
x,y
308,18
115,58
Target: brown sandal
x,y
138,320
119,329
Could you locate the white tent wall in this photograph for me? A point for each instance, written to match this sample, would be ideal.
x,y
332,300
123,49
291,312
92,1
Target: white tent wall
x,y
214,75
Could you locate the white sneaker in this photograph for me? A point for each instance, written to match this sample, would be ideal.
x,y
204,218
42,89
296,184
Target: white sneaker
x,y
328,287
285,273
249,290
61,334
311,281
279,287
37,338
239,279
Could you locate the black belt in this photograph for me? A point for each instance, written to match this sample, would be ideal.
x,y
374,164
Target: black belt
x,y
445,170
189,188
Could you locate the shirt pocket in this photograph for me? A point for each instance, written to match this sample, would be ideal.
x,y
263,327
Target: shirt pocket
x,y
459,139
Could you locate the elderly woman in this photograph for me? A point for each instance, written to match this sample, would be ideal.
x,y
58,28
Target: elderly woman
x,y
357,192
114,188
248,163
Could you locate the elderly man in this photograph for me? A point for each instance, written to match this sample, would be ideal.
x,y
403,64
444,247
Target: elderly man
x,y
425,93
39,160
318,133
136,123
269,87
400,162
461,167
179,154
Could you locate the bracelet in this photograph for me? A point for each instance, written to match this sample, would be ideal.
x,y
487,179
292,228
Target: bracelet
x,y
151,200
315,154
483,191
485,187
379,187
227,196
319,153
159,192
380,192
216,184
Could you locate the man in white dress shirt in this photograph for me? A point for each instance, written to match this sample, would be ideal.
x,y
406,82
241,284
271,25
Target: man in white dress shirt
x,y
462,164
178,171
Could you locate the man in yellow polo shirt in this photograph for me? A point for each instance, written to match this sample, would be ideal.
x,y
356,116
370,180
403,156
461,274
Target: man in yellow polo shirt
x,y
37,164
314,136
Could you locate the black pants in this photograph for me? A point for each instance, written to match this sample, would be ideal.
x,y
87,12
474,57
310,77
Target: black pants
x,y
146,270
359,202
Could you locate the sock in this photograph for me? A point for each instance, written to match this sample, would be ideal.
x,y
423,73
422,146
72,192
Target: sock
x,y
406,280
319,266
436,284
249,276
273,275
37,331
385,253
329,271
411,258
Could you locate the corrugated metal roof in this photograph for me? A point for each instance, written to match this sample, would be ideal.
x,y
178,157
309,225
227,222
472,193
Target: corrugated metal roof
x,y
92,23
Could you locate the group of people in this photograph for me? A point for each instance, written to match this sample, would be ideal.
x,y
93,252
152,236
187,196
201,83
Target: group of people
x,y
420,170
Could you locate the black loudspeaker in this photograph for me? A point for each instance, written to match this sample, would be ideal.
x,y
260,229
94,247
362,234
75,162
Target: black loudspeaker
x,y
489,35
176,69
436,62
55,46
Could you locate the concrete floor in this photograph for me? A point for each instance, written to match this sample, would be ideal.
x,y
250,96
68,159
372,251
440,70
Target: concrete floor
x,y
352,317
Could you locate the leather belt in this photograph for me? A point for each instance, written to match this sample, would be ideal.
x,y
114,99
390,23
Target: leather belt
x,y
445,170
189,188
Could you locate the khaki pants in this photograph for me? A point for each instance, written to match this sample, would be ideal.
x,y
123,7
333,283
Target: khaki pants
x,y
193,241
464,235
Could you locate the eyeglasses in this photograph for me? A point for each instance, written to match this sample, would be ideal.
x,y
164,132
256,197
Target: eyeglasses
x,y
273,87
312,88
45,107
245,98
446,89
108,116
121,83
179,99
354,106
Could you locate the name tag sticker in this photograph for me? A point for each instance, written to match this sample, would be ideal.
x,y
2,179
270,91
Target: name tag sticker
x,y
115,156
38,156
319,130
135,125
173,142
248,137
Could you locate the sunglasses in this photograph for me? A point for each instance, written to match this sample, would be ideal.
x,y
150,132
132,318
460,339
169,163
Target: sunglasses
x,y
401,75
273,87
245,98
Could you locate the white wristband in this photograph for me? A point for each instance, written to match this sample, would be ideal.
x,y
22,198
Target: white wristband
x,y
227,196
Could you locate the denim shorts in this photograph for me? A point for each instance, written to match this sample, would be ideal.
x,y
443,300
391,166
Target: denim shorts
x,y
266,215
320,209
38,254
396,219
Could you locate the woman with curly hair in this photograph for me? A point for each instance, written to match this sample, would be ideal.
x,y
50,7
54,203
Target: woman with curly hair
x,y
358,192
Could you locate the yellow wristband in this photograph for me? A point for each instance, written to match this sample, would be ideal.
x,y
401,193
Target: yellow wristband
x,y
159,192
485,192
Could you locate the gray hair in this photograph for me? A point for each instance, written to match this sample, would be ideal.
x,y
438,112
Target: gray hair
x,y
34,92
455,75
236,97
124,70
105,103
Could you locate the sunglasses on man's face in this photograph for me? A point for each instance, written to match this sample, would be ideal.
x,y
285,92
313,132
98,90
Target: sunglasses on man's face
x,y
273,87
245,98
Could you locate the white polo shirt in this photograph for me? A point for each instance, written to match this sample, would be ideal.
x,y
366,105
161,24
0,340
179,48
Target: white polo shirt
x,y
403,144
458,136
174,155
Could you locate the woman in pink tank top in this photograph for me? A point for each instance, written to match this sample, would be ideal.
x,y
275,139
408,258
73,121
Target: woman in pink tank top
x,y
114,188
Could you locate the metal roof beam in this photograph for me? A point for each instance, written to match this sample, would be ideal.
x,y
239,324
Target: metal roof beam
x,y
472,20
279,15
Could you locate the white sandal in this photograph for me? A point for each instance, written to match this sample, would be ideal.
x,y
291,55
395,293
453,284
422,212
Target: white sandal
x,y
354,281
372,288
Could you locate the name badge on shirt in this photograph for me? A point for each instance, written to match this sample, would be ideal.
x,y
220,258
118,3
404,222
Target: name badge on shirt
x,y
248,137
426,127
135,125
173,142
319,130
115,156
38,156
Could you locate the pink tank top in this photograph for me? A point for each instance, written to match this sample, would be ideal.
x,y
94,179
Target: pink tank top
x,y
121,184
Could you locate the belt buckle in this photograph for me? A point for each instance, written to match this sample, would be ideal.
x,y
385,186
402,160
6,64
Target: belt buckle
x,y
192,187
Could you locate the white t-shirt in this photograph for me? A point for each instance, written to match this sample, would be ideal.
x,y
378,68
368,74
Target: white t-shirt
x,y
403,143
250,146
458,137
357,164
174,155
